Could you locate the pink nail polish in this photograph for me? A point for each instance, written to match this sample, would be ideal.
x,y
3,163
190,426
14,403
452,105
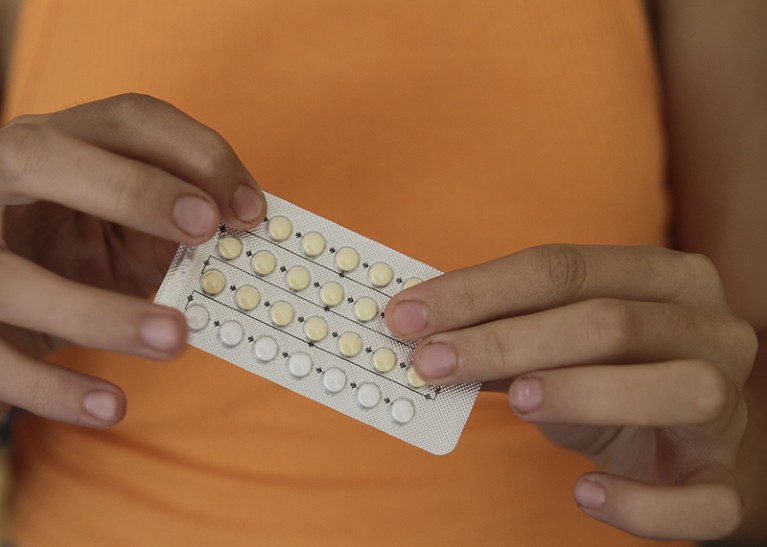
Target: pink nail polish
x,y
409,317
525,395
102,405
589,494
246,204
161,333
435,360
195,216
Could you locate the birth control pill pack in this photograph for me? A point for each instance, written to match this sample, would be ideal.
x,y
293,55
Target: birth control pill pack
x,y
299,300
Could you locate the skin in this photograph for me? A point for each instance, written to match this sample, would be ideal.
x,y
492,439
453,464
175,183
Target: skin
x,y
645,360
641,358
134,177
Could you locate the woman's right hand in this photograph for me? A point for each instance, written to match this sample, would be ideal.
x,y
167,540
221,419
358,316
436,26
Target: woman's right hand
x,y
94,200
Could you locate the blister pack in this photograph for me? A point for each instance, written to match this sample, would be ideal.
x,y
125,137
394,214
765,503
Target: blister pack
x,y
300,300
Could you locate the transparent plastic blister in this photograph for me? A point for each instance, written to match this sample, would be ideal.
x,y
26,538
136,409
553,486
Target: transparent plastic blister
x,y
299,300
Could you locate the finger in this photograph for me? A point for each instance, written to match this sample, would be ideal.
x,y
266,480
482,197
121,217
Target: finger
x,y
633,395
34,298
52,166
57,393
706,507
550,276
156,132
590,332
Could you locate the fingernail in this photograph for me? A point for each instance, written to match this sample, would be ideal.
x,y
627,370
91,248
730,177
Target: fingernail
x,y
436,360
246,204
589,494
102,405
409,317
195,216
525,395
161,333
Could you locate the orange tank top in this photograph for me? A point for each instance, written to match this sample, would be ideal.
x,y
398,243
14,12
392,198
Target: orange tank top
x,y
477,129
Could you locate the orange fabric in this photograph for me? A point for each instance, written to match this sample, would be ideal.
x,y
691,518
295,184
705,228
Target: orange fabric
x,y
477,128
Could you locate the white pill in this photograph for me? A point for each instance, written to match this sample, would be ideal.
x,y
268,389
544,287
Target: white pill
x,y
368,395
231,333
313,243
334,380
196,317
279,228
265,348
402,410
300,364
380,274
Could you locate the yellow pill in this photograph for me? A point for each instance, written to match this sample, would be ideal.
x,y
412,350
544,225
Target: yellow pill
x,y
380,274
279,228
313,244
229,247
331,293
247,297
315,329
413,379
298,278
263,263
365,309
213,282
281,313
350,344
412,282
384,359
347,259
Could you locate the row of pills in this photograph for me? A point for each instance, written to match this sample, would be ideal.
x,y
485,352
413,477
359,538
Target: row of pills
x,y
265,349
347,259
231,333
247,297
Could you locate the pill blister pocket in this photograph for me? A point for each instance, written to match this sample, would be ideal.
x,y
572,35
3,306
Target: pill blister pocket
x,y
299,300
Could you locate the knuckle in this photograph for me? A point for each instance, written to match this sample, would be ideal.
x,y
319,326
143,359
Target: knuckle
x,y
498,346
750,341
700,265
21,144
40,393
613,325
705,275
464,295
215,158
711,393
132,190
129,109
673,319
564,266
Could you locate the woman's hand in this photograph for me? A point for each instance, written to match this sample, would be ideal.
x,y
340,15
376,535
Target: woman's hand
x,y
94,201
628,355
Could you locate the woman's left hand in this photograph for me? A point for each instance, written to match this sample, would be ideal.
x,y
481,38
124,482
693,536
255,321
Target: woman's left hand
x,y
629,355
